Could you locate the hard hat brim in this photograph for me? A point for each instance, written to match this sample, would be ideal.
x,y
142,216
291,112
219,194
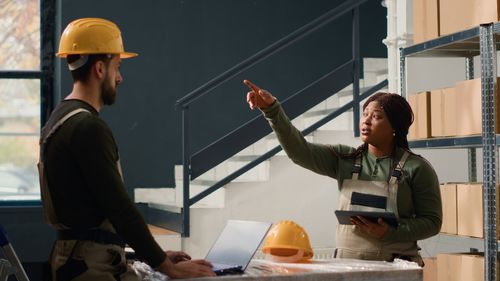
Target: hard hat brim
x,y
124,55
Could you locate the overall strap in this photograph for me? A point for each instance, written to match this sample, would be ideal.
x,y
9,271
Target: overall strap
x,y
398,170
356,169
55,127
48,206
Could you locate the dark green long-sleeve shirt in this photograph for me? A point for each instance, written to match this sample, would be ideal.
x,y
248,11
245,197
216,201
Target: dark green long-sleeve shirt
x,y
85,183
419,199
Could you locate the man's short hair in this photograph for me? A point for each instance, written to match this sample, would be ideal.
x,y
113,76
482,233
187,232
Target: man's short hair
x,y
82,73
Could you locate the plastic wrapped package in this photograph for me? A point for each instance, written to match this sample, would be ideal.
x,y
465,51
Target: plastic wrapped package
x,y
147,273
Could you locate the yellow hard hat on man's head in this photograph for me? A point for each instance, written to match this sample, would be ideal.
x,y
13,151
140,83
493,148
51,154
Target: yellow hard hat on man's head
x,y
288,242
89,36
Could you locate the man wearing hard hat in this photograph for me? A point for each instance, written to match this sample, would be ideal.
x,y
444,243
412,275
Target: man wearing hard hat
x,y
83,194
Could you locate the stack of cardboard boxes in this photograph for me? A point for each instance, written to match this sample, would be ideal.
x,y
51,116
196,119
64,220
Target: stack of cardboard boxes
x,y
439,111
434,18
460,267
462,215
448,112
463,209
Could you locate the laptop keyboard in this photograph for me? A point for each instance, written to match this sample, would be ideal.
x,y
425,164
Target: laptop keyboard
x,y
222,269
218,266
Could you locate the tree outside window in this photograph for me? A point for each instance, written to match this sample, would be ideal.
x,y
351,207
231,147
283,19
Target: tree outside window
x,y
19,99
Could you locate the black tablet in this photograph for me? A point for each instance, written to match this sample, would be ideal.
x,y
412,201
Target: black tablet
x,y
344,217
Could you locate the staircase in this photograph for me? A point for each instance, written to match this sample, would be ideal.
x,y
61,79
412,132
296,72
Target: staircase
x,y
258,194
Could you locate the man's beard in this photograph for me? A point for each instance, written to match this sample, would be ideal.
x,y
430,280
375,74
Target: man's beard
x,y
108,93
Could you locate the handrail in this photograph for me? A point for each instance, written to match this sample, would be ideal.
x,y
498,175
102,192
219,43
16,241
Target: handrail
x,y
276,149
224,147
326,18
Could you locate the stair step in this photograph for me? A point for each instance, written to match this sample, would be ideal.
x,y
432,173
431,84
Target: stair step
x,y
340,123
339,137
170,207
154,195
374,64
258,173
170,199
214,200
323,112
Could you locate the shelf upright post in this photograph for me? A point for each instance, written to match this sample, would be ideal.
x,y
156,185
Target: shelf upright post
x,y
471,155
402,73
490,157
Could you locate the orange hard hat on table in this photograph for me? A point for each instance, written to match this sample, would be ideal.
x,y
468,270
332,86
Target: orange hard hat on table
x,y
287,242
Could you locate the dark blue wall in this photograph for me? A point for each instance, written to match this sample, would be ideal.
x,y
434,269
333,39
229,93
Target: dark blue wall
x,y
183,44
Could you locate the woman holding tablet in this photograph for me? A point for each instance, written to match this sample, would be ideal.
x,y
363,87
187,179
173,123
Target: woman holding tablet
x,y
381,175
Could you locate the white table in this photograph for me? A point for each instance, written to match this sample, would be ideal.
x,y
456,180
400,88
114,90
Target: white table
x,y
335,269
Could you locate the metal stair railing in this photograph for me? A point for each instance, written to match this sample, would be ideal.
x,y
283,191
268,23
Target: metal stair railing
x,y
257,127
207,158
277,149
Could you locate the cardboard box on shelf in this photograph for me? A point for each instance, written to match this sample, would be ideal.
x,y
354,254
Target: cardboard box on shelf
x,y
421,127
443,112
469,108
486,11
425,20
430,269
448,267
450,111
455,15
470,210
437,112
412,131
458,15
449,200
460,267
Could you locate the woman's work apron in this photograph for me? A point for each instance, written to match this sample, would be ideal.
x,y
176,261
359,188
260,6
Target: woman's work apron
x,y
377,196
82,255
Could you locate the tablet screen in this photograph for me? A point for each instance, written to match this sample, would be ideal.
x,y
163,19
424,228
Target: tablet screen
x,y
344,217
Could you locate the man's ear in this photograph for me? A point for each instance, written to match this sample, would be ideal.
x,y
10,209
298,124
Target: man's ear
x,y
100,68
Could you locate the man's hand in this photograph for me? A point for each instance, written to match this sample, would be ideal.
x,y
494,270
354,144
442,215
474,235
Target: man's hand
x,y
186,269
257,97
177,256
376,229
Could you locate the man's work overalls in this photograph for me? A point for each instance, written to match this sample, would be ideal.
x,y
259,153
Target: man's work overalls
x,y
82,254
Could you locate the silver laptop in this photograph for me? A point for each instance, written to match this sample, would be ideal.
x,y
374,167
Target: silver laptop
x,y
234,248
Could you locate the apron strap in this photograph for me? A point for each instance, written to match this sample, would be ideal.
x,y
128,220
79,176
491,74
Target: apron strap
x,y
356,169
49,212
397,172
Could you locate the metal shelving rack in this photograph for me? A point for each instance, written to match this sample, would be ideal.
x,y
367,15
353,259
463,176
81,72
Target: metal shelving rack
x,y
482,41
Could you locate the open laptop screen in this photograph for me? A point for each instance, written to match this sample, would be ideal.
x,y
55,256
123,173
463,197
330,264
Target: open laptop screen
x,y
237,243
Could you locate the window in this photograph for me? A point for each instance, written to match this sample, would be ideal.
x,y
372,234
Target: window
x,y
20,98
